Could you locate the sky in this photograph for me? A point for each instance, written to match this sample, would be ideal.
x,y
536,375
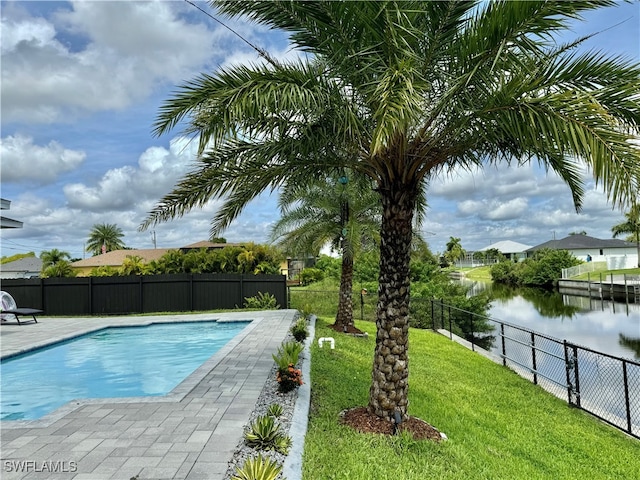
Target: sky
x,y
82,83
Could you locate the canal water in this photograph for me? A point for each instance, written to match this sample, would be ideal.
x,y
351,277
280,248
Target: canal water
x,y
602,325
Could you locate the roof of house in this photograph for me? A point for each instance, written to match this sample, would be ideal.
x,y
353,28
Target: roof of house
x,y
207,244
507,246
116,257
575,242
25,264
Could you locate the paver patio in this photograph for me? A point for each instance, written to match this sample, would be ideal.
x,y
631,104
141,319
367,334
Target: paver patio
x,y
188,434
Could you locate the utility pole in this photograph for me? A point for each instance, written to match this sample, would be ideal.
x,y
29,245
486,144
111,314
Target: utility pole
x,y
153,238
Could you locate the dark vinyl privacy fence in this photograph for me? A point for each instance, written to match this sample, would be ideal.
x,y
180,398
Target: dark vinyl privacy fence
x,y
142,294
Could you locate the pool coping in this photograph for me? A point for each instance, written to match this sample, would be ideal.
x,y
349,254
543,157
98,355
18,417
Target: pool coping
x,y
191,432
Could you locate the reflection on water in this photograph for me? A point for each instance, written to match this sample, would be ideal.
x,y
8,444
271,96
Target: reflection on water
x,y
602,325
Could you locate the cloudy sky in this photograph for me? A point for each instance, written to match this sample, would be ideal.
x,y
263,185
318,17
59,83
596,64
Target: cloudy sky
x,y
83,81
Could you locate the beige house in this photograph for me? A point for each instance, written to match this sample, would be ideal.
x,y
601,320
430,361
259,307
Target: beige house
x,y
115,258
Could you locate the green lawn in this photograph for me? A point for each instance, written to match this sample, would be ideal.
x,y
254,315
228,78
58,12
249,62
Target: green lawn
x,y
595,275
499,425
477,273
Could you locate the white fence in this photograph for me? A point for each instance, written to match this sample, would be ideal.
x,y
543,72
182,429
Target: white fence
x,y
583,268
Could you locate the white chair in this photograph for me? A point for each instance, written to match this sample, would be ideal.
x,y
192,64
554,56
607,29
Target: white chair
x,y
9,310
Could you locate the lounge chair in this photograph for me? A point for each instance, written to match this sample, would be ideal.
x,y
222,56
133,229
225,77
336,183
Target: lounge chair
x,y
10,311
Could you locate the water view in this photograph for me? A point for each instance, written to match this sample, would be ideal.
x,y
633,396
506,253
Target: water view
x,y
602,325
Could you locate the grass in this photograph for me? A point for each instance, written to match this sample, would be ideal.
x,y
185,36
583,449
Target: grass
x,y
477,273
500,426
595,275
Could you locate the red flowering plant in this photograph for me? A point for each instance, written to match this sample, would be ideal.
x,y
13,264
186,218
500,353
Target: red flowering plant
x,y
289,378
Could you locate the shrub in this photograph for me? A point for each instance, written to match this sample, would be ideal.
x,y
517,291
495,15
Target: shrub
x,y
299,330
311,275
504,272
262,301
265,434
289,378
543,269
258,468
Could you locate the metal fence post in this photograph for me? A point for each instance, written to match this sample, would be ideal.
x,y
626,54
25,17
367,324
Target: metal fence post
x,y
568,363
575,369
533,358
450,330
433,317
472,335
504,349
626,395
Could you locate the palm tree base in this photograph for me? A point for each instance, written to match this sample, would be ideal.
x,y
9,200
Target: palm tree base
x,y
361,420
342,328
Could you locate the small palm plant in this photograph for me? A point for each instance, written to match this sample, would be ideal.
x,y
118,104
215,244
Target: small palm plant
x,y
299,330
288,376
262,301
258,468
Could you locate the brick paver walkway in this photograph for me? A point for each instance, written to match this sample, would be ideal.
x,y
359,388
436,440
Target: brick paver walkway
x,y
189,434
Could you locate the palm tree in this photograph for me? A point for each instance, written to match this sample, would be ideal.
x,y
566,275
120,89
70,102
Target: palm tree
x,y
61,268
105,237
630,226
454,251
133,265
344,212
53,256
411,90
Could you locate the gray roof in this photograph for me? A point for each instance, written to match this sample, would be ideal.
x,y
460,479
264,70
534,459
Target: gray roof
x,y
26,264
574,242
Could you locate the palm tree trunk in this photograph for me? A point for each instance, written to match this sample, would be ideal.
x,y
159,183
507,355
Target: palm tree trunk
x,y
344,317
389,387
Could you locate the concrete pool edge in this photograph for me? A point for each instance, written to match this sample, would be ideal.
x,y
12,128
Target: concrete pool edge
x,y
177,394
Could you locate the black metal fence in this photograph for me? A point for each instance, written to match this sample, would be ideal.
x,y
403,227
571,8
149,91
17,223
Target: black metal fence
x,y
142,294
606,386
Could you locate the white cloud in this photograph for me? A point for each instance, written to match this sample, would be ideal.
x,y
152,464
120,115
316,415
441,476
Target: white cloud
x,y
494,209
134,45
122,188
23,161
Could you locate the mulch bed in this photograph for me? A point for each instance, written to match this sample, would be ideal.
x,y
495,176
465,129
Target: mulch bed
x,y
361,420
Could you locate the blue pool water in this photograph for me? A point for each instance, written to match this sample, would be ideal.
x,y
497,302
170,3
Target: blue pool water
x,y
114,362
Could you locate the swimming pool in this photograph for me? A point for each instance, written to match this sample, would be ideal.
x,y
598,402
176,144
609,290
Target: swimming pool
x,y
113,362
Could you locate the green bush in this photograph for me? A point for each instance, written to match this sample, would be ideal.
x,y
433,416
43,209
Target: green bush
x,y
262,301
258,468
504,272
543,269
311,275
299,330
